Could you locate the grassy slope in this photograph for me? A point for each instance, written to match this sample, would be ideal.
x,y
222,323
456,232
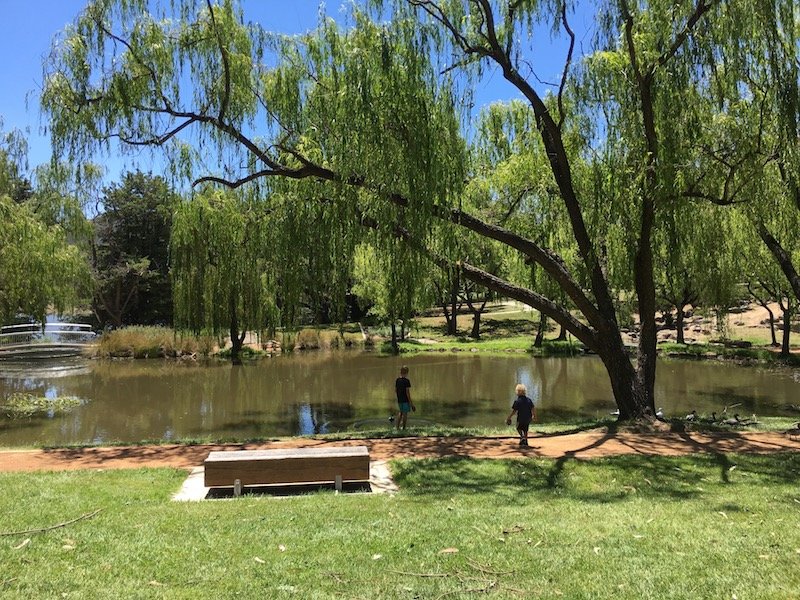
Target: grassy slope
x,y
627,527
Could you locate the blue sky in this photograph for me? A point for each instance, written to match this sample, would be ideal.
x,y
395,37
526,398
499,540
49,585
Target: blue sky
x,y
28,27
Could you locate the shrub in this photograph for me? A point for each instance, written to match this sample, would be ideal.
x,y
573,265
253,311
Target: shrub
x,y
307,339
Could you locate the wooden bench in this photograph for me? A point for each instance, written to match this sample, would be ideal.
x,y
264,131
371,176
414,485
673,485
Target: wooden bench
x,y
284,467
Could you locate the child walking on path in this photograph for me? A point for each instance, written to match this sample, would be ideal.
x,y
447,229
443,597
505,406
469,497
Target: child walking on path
x,y
402,386
525,410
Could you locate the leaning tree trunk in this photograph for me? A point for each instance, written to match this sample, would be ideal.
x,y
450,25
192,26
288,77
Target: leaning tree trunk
x,y
771,325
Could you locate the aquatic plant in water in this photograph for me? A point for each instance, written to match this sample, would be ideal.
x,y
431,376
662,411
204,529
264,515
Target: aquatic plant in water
x,y
21,404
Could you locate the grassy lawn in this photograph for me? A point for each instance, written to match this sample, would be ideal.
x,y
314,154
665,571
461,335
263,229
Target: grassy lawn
x,y
626,527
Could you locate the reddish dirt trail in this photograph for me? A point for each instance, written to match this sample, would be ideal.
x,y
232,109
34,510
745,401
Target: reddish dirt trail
x,y
591,444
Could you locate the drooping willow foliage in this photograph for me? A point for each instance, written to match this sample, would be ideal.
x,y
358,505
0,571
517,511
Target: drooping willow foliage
x,y
357,106
39,270
221,266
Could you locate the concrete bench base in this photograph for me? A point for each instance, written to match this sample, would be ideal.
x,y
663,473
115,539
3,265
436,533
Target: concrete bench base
x,y
301,466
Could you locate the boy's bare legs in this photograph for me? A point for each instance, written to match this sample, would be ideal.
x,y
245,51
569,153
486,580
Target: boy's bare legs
x,y
523,437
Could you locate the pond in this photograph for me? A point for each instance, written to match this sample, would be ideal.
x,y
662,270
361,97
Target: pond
x,y
322,392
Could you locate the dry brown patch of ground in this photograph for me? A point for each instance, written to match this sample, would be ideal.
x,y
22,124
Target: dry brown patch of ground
x,y
584,445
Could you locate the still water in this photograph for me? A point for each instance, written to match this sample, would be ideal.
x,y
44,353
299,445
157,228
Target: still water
x,y
323,392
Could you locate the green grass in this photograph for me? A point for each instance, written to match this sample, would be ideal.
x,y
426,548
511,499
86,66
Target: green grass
x,y
628,527
761,354
486,345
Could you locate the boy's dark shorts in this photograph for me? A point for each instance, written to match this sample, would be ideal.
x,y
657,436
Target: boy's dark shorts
x,y
405,407
523,426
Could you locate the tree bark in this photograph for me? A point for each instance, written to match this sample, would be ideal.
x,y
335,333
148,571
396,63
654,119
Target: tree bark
x,y
452,325
476,325
772,326
395,345
540,329
679,324
782,257
787,328
237,338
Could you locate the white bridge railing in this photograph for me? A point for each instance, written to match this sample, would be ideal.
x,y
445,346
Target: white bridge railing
x,y
53,333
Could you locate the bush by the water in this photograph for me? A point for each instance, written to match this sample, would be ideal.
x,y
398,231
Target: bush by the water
x,y
152,342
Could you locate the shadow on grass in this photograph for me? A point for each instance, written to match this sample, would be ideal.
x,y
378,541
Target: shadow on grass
x,y
601,481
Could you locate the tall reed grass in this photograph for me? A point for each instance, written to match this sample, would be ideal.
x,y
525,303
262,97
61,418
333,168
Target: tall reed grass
x,y
324,339
153,342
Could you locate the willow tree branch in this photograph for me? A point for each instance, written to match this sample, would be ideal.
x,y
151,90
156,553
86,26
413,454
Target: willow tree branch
x,y
700,9
226,71
558,313
567,63
783,258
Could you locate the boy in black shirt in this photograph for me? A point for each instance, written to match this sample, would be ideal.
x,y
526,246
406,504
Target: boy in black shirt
x,y
403,388
526,412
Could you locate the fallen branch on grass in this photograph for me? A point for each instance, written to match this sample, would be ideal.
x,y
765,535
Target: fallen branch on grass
x,y
51,527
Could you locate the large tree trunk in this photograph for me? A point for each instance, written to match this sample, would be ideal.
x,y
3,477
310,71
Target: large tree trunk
x,y
634,400
632,394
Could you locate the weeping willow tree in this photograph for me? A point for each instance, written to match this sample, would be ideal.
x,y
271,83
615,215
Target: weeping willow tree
x,y
362,127
221,268
380,281
750,161
40,270
511,186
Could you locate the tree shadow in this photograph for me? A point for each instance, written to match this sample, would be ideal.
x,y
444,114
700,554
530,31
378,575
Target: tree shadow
x,y
613,479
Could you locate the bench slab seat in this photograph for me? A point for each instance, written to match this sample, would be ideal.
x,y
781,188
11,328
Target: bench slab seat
x,y
287,466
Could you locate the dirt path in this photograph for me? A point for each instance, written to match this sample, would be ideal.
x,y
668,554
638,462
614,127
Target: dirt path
x,y
592,444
